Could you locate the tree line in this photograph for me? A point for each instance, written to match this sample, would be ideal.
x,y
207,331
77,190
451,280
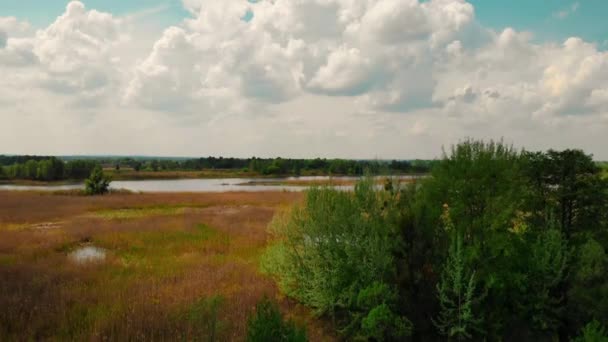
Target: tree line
x,y
280,166
496,245
53,168
44,168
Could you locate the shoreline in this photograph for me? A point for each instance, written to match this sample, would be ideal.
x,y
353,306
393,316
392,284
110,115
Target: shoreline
x,y
178,175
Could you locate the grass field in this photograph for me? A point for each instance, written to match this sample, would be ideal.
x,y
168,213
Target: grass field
x,y
176,267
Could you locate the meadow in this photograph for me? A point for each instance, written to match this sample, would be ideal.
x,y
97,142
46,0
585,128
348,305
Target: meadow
x,y
494,244
176,266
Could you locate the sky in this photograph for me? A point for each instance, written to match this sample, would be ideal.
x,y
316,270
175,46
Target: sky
x,y
301,78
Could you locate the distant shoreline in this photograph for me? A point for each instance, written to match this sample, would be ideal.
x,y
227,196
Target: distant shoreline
x,y
131,175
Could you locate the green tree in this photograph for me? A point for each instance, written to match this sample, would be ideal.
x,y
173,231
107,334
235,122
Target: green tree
x,y
30,169
97,183
458,318
569,185
335,246
588,294
544,268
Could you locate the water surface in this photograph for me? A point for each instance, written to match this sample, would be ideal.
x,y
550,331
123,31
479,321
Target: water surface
x,y
88,254
195,185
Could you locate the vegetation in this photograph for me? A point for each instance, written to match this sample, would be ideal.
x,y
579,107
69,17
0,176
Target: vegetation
x,y
497,244
267,325
593,332
97,183
52,168
336,255
604,167
177,266
44,168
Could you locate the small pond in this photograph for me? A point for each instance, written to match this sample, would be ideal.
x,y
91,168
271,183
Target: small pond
x,y
87,254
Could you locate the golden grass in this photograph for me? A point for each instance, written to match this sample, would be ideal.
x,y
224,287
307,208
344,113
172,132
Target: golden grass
x,y
167,254
134,213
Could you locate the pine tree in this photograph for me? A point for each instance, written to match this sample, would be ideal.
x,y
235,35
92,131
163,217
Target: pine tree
x,y
456,294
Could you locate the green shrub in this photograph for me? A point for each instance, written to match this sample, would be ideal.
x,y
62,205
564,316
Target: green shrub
x,y
376,319
335,246
267,325
593,332
97,183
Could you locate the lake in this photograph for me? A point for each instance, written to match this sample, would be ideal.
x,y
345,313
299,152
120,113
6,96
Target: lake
x,y
194,185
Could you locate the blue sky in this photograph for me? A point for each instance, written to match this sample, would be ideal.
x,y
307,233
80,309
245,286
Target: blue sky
x,y
538,16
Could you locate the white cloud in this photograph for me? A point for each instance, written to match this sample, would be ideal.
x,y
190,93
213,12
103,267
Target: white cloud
x,y
564,13
353,78
12,27
346,71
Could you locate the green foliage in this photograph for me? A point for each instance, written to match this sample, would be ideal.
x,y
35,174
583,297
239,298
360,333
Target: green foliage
x,y
457,298
376,320
593,332
569,185
267,325
334,247
382,324
495,245
97,183
77,169
482,185
546,272
588,295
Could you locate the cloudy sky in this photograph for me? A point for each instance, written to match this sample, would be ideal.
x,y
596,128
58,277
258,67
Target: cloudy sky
x,y
301,78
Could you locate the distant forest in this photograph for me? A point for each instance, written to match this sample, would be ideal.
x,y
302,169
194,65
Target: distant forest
x,y
48,168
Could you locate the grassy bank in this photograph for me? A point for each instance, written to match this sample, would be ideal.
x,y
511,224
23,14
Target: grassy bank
x,y
174,263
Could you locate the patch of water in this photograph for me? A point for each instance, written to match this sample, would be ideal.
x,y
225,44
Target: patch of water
x,y
88,254
201,185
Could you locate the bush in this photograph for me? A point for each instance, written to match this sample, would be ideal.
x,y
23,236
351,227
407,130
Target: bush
x,y
335,246
267,325
593,332
97,183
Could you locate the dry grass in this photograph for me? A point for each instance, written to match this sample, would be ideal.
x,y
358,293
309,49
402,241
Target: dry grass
x,y
32,207
166,255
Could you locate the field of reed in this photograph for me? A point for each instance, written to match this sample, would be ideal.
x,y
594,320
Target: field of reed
x,y
165,267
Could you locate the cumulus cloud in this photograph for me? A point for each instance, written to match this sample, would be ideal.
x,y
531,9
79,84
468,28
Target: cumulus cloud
x,y
384,70
75,57
13,27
